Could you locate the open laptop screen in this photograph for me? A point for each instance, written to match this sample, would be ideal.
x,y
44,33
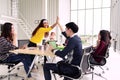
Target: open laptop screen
x,y
23,42
53,44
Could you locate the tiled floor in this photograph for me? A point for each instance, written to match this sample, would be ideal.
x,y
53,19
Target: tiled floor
x,y
112,73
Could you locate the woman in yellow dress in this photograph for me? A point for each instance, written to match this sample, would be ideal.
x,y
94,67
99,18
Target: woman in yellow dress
x,y
38,35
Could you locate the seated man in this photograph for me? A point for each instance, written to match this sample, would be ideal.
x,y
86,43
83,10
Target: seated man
x,y
73,52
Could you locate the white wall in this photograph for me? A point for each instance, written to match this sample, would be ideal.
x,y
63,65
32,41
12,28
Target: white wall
x,y
31,10
5,13
55,8
115,21
5,7
35,10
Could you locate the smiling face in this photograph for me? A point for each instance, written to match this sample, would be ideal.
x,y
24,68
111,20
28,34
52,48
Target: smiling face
x,y
45,23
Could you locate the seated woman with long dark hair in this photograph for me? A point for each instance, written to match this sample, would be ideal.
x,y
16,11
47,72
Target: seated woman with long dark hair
x,y
8,42
103,43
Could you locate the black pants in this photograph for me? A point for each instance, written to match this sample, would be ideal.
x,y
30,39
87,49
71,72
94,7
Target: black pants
x,y
50,66
31,44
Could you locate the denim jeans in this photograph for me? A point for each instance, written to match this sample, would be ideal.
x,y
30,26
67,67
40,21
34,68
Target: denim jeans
x,y
25,59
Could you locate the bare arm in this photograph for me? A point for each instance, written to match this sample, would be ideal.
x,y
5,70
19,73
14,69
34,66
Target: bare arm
x,y
61,28
55,23
14,39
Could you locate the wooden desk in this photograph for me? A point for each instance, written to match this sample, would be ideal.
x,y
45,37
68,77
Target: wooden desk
x,y
33,51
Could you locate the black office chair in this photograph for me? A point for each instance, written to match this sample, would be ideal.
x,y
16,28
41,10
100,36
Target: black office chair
x,y
84,65
11,67
93,63
75,72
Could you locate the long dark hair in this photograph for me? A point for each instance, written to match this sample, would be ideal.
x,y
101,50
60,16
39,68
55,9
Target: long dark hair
x,y
39,26
6,31
105,36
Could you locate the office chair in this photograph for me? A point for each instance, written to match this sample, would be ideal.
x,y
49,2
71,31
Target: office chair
x,y
92,63
85,60
81,69
84,65
95,64
11,67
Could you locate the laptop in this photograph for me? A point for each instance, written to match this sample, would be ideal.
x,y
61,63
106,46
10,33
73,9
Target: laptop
x,y
53,44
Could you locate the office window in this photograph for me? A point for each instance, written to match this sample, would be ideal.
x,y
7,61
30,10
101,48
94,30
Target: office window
x,y
97,3
81,4
81,19
91,16
97,21
89,22
89,4
74,16
74,5
106,3
106,18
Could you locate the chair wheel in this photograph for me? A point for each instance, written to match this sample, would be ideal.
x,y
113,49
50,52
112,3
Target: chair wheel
x,y
99,74
103,72
18,68
16,75
107,69
1,77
